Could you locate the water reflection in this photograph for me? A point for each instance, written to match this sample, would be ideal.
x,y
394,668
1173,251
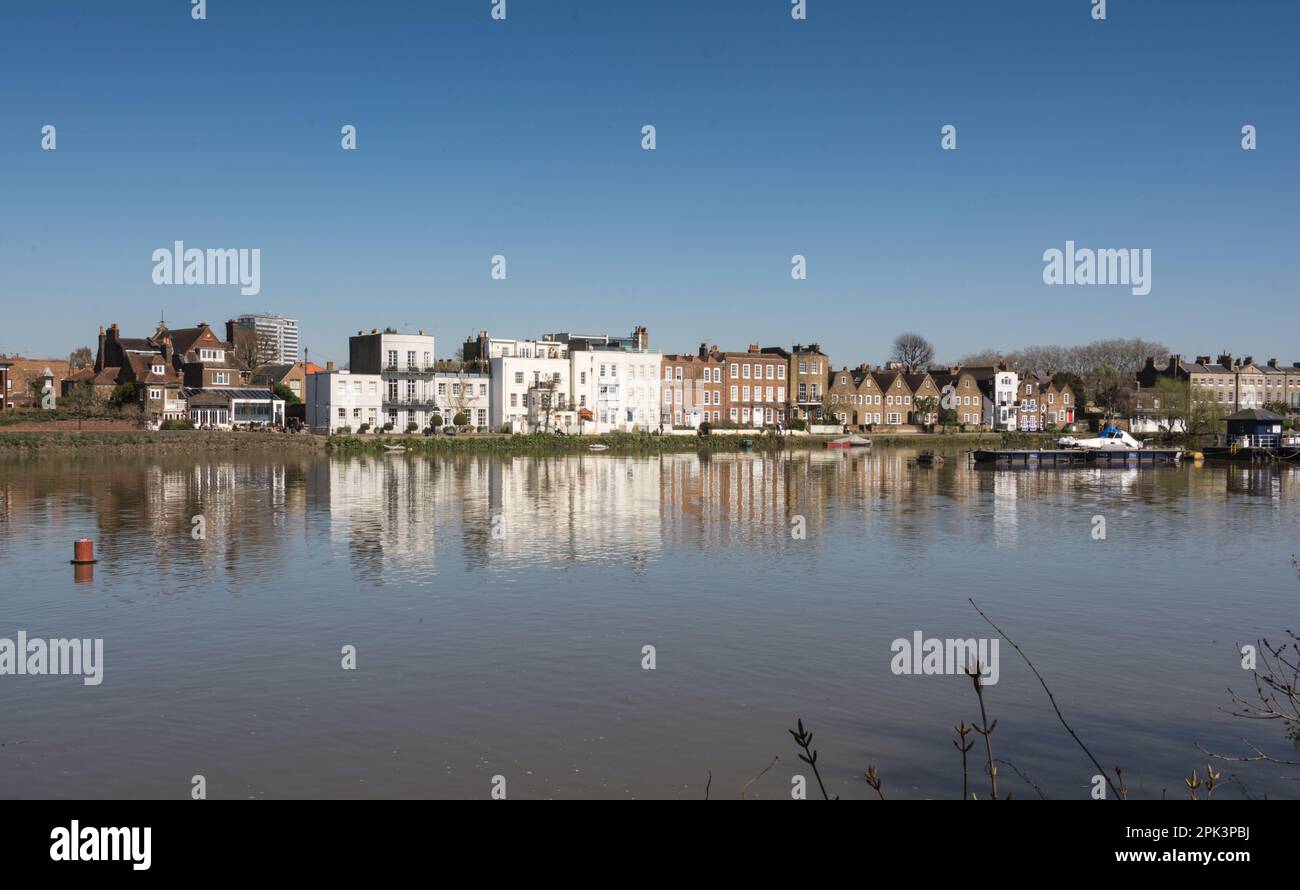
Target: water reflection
x,y
500,605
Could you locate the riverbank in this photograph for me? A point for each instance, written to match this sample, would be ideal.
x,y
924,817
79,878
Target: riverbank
x,y
644,443
195,442
185,442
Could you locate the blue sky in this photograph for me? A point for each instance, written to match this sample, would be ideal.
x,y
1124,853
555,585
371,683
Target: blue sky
x,y
775,137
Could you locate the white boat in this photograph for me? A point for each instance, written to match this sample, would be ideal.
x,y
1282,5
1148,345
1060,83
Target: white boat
x,y
1111,439
598,447
854,441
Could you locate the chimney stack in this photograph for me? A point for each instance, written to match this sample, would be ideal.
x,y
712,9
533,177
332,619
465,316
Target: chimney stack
x,y
329,366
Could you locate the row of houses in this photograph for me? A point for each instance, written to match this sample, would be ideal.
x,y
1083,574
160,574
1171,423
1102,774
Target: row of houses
x,y
1236,384
582,383
588,383
189,374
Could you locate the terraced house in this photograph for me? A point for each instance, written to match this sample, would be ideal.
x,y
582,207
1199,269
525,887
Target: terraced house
x,y
756,386
855,399
691,388
810,369
959,392
1235,384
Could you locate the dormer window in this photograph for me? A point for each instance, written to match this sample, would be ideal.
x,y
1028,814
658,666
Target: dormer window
x,y
159,369
212,355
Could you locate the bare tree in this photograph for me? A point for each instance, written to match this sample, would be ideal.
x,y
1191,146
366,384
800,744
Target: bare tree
x,y
81,357
912,351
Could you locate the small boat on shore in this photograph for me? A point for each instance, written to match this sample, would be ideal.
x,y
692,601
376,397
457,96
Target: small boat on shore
x,y
849,442
394,449
598,447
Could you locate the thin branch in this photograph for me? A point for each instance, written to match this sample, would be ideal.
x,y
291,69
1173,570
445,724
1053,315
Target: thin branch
x,y
1028,781
1074,735
745,788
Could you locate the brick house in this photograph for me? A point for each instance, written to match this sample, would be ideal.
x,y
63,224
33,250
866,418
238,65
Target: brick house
x,y
691,388
809,371
922,386
965,398
294,376
756,386
145,362
1044,405
24,379
897,396
855,397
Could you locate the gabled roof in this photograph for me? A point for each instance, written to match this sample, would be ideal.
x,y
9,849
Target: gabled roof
x,y
914,381
270,373
885,379
142,367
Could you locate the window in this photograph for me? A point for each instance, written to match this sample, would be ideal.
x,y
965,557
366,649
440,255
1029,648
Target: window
x,y
733,394
343,387
803,367
220,378
771,372
735,374
519,377
442,388
780,371
668,372
373,389
392,358
158,369
356,387
155,394
744,371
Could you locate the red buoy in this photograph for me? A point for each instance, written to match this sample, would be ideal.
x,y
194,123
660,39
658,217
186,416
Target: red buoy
x,y
83,552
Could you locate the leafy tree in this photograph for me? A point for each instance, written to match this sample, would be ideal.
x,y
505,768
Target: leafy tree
x,y
125,394
460,419
1172,401
924,407
284,392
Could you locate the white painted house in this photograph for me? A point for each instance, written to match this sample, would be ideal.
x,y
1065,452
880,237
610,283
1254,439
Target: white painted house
x,y
458,392
520,383
341,401
620,389
407,365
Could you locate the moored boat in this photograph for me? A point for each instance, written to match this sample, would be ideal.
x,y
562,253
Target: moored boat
x,y
849,442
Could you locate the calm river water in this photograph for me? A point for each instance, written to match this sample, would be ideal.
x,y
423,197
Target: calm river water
x,y
499,610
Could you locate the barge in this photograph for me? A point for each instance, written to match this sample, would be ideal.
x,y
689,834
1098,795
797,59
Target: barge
x,y
1078,457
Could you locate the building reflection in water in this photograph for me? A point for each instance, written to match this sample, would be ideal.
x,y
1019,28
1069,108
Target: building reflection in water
x,y
401,518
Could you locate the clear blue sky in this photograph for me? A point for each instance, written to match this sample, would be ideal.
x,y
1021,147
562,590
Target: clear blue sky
x,y
775,137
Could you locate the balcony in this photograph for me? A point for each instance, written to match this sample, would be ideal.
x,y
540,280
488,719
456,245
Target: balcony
x,y
409,371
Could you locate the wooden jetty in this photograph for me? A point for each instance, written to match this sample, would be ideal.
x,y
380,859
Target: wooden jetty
x,y
1078,457
1254,454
